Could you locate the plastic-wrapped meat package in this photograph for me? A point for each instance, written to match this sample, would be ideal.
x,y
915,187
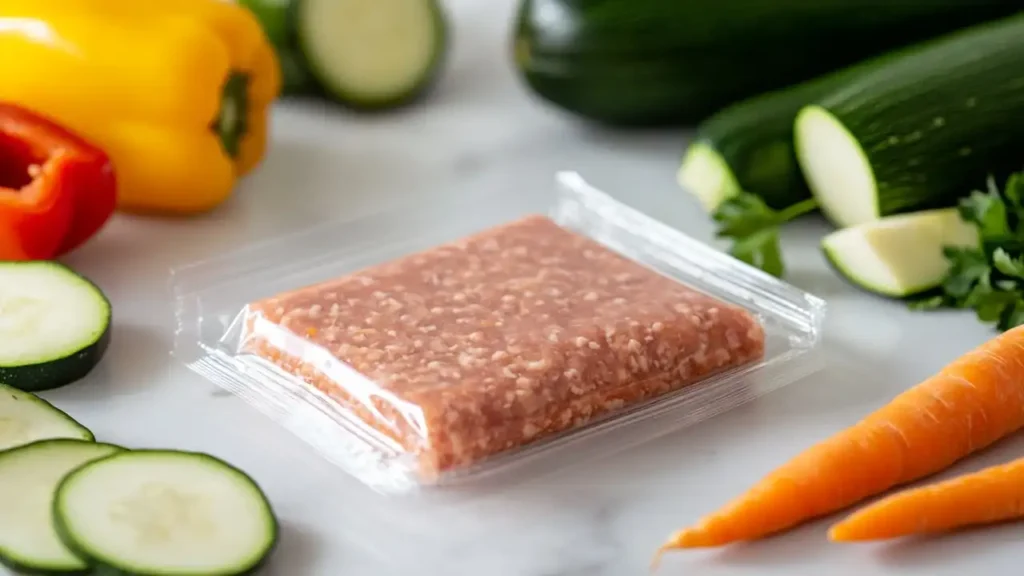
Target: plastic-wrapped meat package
x,y
505,338
432,357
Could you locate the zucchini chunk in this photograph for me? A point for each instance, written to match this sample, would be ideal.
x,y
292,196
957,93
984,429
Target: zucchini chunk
x,y
899,256
918,132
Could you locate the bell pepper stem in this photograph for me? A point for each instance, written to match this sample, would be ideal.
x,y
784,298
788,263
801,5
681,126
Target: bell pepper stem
x,y
230,123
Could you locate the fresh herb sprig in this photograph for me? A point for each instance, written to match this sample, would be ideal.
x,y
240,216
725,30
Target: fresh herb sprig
x,y
753,227
988,278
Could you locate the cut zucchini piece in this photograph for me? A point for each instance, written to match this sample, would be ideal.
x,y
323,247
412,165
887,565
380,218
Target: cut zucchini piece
x,y
29,475
165,512
748,147
54,325
372,53
707,175
919,131
899,256
26,418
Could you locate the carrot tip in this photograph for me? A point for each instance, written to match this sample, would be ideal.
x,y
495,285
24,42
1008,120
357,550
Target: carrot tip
x,y
844,532
690,538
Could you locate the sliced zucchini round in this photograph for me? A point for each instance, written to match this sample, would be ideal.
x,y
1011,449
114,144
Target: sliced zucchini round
x,y
54,325
899,256
372,53
29,475
165,512
27,418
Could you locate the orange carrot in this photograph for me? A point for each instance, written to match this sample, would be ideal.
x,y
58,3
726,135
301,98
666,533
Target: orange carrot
x,y
994,494
969,404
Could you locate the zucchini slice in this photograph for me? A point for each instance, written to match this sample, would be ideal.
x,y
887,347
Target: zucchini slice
x,y
29,475
372,53
918,131
54,325
26,418
165,512
707,175
899,256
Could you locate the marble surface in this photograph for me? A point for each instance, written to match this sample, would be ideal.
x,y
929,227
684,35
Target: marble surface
x,y
481,132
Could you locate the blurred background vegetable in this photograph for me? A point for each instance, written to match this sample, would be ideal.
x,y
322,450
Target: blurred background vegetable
x,y
176,93
364,54
56,190
658,62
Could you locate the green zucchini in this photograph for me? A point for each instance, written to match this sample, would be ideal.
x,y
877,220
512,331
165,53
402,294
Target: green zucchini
x,y
27,418
29,476
372,54
148,512
277,18
54,325
625,62
748,147
919,131
899,256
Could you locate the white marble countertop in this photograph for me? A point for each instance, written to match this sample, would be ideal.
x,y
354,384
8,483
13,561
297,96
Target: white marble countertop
x,y
480,131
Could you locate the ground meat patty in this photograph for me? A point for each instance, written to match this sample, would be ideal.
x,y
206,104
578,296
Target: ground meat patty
x,y
504,338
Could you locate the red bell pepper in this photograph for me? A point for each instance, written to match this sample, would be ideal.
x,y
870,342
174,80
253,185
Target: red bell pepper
x,y
56,189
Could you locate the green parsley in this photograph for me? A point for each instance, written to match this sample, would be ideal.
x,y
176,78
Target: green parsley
x,y
753,227
989,279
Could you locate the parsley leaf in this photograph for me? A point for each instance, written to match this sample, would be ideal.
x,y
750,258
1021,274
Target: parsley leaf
x,y
753,226
988,279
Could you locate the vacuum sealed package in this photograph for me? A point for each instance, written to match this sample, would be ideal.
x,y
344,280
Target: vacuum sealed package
x,y
432,344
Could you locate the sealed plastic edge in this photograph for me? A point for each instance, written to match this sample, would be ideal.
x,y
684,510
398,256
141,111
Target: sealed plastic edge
x,y
350,444
645,239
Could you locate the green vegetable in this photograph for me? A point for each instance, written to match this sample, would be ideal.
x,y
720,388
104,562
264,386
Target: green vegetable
x,y
989,278
54,325
754,229
899,256
195,515
372,54
918,130
26,418
662,62
277,19
29,476
748,147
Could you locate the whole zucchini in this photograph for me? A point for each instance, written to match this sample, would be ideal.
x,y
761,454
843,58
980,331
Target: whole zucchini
x,y
659,62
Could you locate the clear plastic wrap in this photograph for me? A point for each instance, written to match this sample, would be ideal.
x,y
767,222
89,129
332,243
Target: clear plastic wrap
x,y
411,353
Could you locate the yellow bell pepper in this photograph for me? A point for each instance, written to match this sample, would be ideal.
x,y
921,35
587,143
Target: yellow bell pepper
x,y
177,92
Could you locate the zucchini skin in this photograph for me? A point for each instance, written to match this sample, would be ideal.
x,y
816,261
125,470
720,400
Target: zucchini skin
x,y
25,570
941,118
60,372
69,369
657,62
